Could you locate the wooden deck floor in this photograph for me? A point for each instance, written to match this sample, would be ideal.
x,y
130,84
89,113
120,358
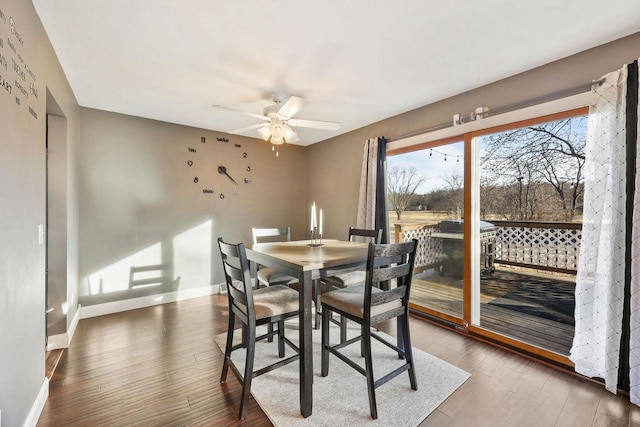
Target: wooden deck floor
x,y
533,308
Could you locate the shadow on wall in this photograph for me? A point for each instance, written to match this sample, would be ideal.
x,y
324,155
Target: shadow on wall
x,y
185,262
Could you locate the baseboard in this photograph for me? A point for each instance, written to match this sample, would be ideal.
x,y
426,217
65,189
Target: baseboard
x,y
147,301
74,323
38,405
58,341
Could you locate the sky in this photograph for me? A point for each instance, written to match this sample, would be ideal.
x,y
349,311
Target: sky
x,y
433,167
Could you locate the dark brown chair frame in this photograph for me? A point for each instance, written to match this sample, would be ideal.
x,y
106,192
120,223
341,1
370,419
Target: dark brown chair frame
x,y
385,262
241,306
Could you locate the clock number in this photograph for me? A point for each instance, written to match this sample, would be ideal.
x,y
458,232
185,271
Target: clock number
x,y
195,179
244,155
222,195
203,139
247,181
248,168
190,163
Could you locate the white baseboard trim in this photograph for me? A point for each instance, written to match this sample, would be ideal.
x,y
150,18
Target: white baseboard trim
x,y
74,323
89,311
38,405
58,341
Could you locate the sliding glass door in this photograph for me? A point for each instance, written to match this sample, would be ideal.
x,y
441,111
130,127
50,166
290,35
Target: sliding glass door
x,y
497,213
531,183
426,202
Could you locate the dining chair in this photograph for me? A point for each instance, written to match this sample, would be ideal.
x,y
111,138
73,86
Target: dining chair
x,y
368,305
253,307
269,276
349,277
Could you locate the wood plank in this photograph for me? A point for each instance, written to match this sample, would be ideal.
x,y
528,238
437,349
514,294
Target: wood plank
x,y
444,294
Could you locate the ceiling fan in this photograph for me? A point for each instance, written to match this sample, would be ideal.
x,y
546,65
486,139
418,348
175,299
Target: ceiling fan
x,y
278,122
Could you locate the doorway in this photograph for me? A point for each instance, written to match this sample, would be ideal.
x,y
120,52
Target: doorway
x,y
55,234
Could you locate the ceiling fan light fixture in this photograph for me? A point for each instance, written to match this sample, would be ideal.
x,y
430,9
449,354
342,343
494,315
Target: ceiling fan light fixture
x,y
277,130
265,132
277,140
289,134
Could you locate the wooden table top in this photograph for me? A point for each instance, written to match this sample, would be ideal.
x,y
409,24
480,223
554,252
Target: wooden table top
x,y
301,256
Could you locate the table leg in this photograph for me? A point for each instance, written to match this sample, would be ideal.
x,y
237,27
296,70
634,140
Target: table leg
x,y
306,344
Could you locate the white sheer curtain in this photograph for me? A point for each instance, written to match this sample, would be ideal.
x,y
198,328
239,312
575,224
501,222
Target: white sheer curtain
x,y
367,196
601,269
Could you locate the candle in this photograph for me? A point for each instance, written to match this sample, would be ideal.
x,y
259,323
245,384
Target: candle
x,y
321,222
313,216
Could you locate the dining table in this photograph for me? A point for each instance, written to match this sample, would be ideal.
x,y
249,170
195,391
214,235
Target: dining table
x,y
308,261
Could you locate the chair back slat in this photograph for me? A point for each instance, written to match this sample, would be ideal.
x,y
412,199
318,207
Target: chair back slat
x,y
365,235
388,296
275,234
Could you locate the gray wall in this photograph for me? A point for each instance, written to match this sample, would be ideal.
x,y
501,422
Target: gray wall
x,y
335,164
22,205
139,205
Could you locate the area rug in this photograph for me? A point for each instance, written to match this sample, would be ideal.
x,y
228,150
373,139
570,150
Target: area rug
x,y
341,399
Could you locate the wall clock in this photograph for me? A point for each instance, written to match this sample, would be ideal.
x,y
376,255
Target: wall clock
x,y
219,168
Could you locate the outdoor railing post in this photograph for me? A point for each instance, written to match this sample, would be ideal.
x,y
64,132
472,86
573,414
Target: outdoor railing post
x,y
398,232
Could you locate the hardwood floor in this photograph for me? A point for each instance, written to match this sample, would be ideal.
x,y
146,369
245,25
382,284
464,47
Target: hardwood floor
x,y
51,362
160,366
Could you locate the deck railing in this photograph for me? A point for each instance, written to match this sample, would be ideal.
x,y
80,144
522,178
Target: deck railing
x,y
549,246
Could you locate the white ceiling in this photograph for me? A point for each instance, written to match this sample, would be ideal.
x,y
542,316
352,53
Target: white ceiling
x,y
356,62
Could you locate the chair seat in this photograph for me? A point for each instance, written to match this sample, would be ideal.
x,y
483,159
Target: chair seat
x,y
344,280
351,301
272,276
273,301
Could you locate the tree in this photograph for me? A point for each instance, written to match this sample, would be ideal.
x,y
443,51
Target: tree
x,y
540,169
402,184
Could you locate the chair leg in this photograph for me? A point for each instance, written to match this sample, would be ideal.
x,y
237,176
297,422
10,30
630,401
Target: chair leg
x,y
244,335
229,345
316,286
324,353
368,362
343,329
281,338
400,336
408,352
270,339
248,370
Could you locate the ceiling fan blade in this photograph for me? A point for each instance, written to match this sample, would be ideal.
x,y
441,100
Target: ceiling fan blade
x,y
292,106
252,127
257,116
317,124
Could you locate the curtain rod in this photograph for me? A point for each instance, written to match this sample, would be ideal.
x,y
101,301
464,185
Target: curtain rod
x,y
511,107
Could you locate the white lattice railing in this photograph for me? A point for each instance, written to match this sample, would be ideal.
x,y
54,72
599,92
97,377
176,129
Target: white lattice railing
x,y
549,245
544,245
429,250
